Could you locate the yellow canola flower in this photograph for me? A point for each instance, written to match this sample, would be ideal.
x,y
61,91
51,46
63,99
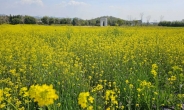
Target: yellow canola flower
x,y
154,73
111,96
122,107
13,71
24,92
2,105
180,105
108,108
137,105
171,79
107,94
98,88
154,66
6,92
138,89
175,68
126,81
91,99
44,95
1,95
145,84
131,86
156,93
90,108
154,70
82,99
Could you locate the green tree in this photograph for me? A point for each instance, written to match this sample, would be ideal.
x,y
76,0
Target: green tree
x,y
29,20
97,22
57,21
81,22
63,21
16,21
51,21
45,20
10,18
92,22
120,22
68,21
75,21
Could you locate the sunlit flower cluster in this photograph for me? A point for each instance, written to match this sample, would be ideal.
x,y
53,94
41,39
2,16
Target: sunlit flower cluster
x,y
44,95
154,70
84,100
2,105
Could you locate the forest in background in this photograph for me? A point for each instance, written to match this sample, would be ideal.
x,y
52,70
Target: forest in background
x,y
112,21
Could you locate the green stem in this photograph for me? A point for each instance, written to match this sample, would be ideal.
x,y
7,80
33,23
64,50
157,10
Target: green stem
x,y
48,107
11,105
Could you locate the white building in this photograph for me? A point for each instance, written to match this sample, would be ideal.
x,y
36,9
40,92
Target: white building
x,y
103,21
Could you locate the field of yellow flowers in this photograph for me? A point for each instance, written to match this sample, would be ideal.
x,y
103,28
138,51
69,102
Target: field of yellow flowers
x,y
91,68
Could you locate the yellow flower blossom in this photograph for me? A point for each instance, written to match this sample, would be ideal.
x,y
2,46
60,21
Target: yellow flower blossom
x,y
138,89
97,88
90,108
91,99
126,81
145,84
137,105
108,108
1,95
2,105
82,99
175,68
122,107
131,86
44,95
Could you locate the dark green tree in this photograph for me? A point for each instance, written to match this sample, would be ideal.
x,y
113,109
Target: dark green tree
x,y
97,22
92,22
29,20
63,21
16,21
75,21
10,18
45,20
57,21
120,22
51,21
68,21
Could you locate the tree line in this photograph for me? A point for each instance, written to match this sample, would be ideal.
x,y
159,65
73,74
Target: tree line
x,y
17,19
20,19
46,20
172,24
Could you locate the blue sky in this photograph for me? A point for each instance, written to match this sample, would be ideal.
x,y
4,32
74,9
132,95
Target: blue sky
x,y
87,9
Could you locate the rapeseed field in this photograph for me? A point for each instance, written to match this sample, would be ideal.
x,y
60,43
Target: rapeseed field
x,y
91,68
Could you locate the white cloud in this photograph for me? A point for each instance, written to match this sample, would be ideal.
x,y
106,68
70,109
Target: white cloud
x,y
62,4
76,3
72,3
38,2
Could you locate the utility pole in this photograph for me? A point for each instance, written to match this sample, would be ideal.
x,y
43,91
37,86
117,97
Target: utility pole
x,y
141,15
148,19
